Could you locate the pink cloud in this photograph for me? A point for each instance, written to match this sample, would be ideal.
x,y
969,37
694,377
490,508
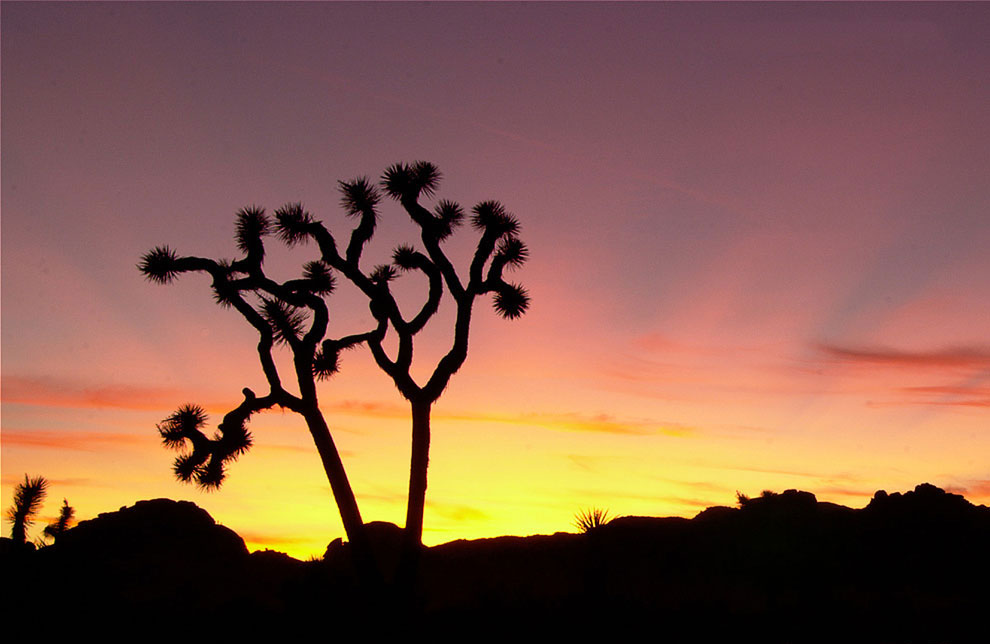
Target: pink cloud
x,y
81,441
948,358
59,392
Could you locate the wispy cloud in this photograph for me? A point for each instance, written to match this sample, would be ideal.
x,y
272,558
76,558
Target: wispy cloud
x,y
951,395
606,423
368,408
456,512
973,489
61,392
946,358
61,483
80,441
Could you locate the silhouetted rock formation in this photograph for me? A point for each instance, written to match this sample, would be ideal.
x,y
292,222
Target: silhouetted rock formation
x,y
909,567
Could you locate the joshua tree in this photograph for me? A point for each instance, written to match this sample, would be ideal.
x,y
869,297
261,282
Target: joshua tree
x,y
294,313
498,248
57,528
28,497
291,313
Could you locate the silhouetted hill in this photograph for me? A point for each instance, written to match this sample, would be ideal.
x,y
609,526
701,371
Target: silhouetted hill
x,y
781,567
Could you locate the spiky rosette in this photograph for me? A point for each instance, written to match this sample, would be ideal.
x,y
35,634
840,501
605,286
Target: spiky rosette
x,y
426,178
252,225
512,251
358,196
28,498
159,265
396,180
511,301
210,476
172,437
224,293
491,216
186,465
326,361
402,181
234,440
186,421
321,280
292,223
383,274
285,320
58,527
450,215
406,257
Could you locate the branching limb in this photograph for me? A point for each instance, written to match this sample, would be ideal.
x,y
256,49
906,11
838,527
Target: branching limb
x,y
359,198
406,258
206,463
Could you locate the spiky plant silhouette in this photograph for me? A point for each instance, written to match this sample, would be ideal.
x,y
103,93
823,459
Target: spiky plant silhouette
x,y
57,528
589,520
28,498
294,313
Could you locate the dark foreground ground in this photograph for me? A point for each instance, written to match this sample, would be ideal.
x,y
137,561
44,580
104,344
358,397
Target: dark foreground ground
x,y
911,567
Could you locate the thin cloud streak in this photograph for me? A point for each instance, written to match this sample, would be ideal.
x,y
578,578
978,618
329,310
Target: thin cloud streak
x,y
78,441
576,422
456,512
948,358
59,392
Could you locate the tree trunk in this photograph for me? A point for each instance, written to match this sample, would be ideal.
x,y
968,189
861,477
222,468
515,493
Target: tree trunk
x,y
419,462
344,496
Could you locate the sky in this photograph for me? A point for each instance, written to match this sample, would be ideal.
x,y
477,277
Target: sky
x,y
758,243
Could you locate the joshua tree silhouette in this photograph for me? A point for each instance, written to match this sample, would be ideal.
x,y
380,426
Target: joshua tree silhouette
x,y
295,313
498,248
28,497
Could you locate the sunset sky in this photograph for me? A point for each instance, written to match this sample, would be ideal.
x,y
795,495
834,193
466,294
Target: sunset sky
x,y
759,239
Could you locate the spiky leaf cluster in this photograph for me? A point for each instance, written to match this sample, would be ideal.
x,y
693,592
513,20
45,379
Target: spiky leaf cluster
x,y
406,257
184,423
402,181
285,320
321,280
358,196
590,520
252,225
28,498
326,361
383,274
491,216
511,301
450,216
159,265
512,252
224,292
58,527
292,223
234,438
205,464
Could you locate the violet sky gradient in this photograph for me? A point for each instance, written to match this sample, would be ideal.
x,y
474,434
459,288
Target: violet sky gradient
x,y
759,238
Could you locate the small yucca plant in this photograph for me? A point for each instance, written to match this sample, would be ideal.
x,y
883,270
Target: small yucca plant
x,y
588,520
58,527
28,498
